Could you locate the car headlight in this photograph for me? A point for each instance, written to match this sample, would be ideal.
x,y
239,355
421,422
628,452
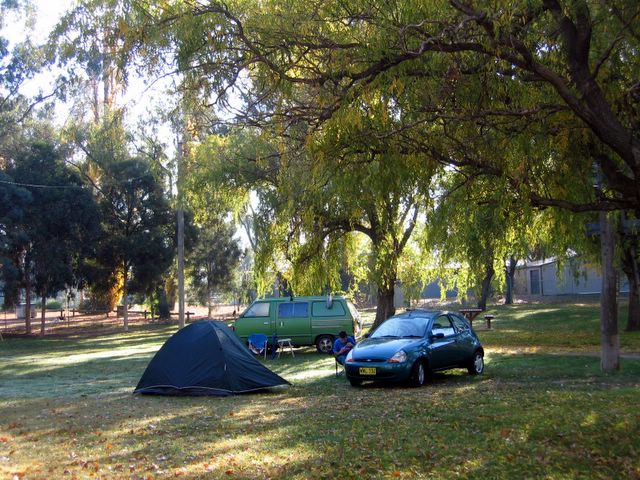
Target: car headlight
x,y
349,356
399,357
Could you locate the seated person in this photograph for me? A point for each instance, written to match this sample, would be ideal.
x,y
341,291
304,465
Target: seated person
x,y
342,345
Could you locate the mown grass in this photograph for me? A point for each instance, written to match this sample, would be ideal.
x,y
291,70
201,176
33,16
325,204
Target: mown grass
x,y
66,411
555,327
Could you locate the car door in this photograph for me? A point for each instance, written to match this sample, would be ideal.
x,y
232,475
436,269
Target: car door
x,y
466,340
444,349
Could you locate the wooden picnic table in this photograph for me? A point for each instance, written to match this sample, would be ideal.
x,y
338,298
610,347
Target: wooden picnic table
x,y
471,313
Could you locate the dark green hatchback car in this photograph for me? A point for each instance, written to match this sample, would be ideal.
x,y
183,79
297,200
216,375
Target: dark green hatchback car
x,y
409,345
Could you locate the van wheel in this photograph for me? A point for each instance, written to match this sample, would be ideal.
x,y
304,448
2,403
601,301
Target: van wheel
x,y
324,343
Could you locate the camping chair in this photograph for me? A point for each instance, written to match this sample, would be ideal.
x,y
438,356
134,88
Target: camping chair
x,y
258,344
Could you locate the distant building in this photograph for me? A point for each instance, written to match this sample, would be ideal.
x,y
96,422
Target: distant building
x,y
547,278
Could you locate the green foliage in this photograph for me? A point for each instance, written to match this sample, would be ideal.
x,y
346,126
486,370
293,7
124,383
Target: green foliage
x,y
47,239
212,262
54,305
353,110
163,307
138,226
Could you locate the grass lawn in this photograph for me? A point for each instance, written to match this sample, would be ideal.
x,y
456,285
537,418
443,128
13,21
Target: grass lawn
x,y
66,411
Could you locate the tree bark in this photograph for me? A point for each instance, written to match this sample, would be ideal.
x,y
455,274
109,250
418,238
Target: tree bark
x,y
630,268
609,340
510,270
633,320
384,307
27,297
486,284
43,315
125,300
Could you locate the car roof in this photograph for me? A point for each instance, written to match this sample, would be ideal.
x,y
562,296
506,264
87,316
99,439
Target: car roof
x,y
419,313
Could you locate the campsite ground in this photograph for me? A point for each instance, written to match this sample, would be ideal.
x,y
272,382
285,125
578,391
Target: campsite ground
x,y
543,409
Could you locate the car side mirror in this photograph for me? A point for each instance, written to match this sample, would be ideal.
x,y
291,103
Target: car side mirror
x,y
367,335
437,335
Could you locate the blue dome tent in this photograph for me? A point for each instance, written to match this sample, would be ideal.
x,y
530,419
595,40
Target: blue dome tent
x,y
205,358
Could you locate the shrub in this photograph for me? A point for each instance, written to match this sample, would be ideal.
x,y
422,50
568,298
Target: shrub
x,y
163,307
54,305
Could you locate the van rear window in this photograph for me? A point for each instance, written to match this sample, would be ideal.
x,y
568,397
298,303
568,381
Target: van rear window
x,y
293,309
258,310
319,309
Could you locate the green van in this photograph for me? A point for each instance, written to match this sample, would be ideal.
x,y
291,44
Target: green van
x,y
305,320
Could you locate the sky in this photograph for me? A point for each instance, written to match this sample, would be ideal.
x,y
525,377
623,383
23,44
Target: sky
x,y
47,14
138,97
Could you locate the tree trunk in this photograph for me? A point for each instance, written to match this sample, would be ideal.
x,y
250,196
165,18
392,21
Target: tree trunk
x,y
125,297
27,307
486,285
181,308
125,314
209,307
385,307
43,315
630,268
610,340
633,320
510,270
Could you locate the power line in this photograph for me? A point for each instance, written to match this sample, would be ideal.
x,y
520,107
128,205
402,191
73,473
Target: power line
x,y
34,185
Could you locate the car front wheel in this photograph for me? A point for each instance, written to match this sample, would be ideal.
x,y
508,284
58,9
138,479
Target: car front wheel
x,y
324,343
418,374
476,366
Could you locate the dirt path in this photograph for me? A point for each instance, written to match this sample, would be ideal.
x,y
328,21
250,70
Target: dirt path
x,y
98,324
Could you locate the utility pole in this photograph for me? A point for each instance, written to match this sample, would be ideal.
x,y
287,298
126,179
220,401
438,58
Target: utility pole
x,y
180,237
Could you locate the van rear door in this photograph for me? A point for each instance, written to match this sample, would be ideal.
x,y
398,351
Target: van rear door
x,y
330,318
293,322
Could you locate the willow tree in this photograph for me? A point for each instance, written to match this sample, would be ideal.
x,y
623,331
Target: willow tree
x,y
379,198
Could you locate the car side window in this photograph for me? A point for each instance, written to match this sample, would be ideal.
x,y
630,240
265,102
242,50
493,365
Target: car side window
x,y
443,325
459,323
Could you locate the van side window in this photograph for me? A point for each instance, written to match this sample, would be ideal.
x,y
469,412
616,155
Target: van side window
x,y
319,309
293,309
260,309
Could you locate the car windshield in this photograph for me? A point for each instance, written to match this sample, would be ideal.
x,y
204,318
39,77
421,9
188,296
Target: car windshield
x,y
402,327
